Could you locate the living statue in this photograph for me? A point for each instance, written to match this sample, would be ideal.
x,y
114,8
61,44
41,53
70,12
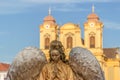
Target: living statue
x,y
56,69
31,64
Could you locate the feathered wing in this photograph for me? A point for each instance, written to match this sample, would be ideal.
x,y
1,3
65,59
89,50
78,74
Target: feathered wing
x,y
85,65
27,64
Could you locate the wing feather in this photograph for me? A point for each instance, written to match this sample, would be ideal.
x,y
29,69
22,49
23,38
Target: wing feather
x,y
85,65
27,64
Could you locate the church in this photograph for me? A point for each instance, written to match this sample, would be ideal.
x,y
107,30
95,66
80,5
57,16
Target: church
x,y
70,36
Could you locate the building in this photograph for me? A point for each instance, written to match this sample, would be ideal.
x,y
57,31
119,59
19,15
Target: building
x,y
3,70
70,36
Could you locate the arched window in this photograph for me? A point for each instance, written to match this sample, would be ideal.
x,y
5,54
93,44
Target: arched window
x,y
92,42
69,42
47,43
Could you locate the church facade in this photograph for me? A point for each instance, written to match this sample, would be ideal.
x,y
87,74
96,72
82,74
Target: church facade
x,y
70,36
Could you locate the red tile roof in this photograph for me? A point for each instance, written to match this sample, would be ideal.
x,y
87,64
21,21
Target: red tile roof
x,y
4,66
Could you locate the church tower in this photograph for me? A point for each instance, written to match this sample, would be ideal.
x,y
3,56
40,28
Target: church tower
x,y
93,36
93,30
47,32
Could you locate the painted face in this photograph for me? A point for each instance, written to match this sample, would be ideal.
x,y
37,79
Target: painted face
x,y
55,55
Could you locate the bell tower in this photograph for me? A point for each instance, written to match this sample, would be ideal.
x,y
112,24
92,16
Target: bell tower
x,y
93,32
93,37
47,32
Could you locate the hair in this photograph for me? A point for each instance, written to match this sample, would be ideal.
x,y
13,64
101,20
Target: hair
x,y
57,45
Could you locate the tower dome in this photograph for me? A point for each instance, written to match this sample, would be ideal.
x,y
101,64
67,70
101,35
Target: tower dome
x,y
93,16
49,18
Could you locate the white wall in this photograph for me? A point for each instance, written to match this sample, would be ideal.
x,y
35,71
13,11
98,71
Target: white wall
x,y
3,74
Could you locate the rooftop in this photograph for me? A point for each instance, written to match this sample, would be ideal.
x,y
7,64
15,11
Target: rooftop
x,y
110,52
4,66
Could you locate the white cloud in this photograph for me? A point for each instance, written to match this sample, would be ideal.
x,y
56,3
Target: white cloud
x,y
65,1
3,33
13,7
111,25
18,6
68,8
1,47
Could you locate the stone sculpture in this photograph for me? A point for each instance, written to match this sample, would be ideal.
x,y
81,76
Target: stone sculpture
x,y
31,64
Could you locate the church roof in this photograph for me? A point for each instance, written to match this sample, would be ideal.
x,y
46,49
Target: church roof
x,y
70,26
49,18
4,66
110,52
93,16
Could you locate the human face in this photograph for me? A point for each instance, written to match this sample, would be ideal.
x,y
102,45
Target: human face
x,y
55,55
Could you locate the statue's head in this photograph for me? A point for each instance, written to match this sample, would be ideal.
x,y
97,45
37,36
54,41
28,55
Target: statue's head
x,y
58,47
55,55
55,44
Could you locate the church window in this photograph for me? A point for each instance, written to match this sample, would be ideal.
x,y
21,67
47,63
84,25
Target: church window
x,y
69,42
47,43
92,42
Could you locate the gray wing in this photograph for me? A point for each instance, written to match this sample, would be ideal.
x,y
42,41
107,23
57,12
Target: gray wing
x,y
85,65
27,64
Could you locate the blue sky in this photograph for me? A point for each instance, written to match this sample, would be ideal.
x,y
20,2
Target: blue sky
x,y
20,20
